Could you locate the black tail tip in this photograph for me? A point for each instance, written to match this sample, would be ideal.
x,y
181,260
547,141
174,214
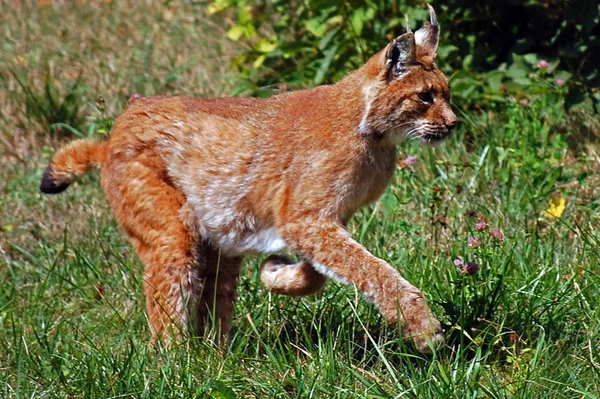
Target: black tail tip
x,y
48,184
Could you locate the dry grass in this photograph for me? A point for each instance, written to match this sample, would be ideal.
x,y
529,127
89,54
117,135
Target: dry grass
x,y
117,47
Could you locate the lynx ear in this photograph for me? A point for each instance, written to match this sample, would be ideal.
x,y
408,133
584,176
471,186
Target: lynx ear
x,y
400,54
427,39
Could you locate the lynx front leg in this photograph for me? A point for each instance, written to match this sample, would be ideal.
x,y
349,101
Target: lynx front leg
x,y
335,254
283,276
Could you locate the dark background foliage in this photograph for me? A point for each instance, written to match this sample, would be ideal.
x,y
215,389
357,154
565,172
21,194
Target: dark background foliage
x,y
490,47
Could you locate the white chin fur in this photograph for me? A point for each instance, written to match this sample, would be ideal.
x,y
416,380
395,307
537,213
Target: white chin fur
x,y
395,136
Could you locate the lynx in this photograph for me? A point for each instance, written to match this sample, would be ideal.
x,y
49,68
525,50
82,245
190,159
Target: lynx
x,y
198,183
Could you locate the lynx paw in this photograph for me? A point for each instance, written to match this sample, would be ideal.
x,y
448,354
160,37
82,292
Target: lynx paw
x,y
282,275
419,325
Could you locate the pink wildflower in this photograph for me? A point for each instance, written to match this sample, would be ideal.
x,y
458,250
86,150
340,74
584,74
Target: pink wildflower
x,y
560,82
407,162
466,268
481,225
524,102
543,64
471,268
134,96
474,242
497,234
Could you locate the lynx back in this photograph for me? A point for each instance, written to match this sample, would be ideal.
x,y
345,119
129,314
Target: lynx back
x,y
198,183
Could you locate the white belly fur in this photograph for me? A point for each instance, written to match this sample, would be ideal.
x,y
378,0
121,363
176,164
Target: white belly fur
x,y
236,243
234,232
262,241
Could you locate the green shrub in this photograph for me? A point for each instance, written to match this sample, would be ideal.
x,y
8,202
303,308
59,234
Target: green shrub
x,y
490,48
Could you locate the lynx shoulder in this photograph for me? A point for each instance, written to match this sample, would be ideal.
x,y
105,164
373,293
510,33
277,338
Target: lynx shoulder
x,y
199,183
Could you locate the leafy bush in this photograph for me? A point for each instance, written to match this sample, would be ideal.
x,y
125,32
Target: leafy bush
x,y
490,48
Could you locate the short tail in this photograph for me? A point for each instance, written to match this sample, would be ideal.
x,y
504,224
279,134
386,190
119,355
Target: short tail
x,y
70,162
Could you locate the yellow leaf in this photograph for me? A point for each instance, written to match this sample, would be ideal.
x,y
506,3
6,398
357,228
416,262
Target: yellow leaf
x,y
218,6
259,61
235,33
556,208
8,228
265,46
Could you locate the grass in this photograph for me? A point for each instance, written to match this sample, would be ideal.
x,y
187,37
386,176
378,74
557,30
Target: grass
x,y
527,325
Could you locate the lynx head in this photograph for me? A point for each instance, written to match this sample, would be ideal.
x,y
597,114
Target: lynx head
x,y
406,95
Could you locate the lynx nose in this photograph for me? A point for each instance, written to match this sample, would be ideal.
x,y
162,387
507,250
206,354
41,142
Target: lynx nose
x,y
451,125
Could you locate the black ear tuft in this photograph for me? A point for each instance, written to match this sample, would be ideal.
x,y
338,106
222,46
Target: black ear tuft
x,y
49,185
401,53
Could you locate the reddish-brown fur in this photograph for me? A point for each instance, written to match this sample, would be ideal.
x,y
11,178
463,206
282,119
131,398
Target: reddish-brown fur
x,y
198,183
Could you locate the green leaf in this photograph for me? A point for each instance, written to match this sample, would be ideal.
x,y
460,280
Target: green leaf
x,y
531,59
326,39
564,75
467,61
359,17
259,61
325,63
265,46
494,80
219,5
316,27
235,33
244,15
443,51
221,391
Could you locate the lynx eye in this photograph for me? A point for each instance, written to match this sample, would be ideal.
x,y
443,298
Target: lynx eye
x,y
426,97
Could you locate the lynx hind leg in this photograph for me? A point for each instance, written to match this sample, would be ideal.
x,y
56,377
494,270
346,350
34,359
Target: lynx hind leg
x,y
147,208
282,275
218,282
